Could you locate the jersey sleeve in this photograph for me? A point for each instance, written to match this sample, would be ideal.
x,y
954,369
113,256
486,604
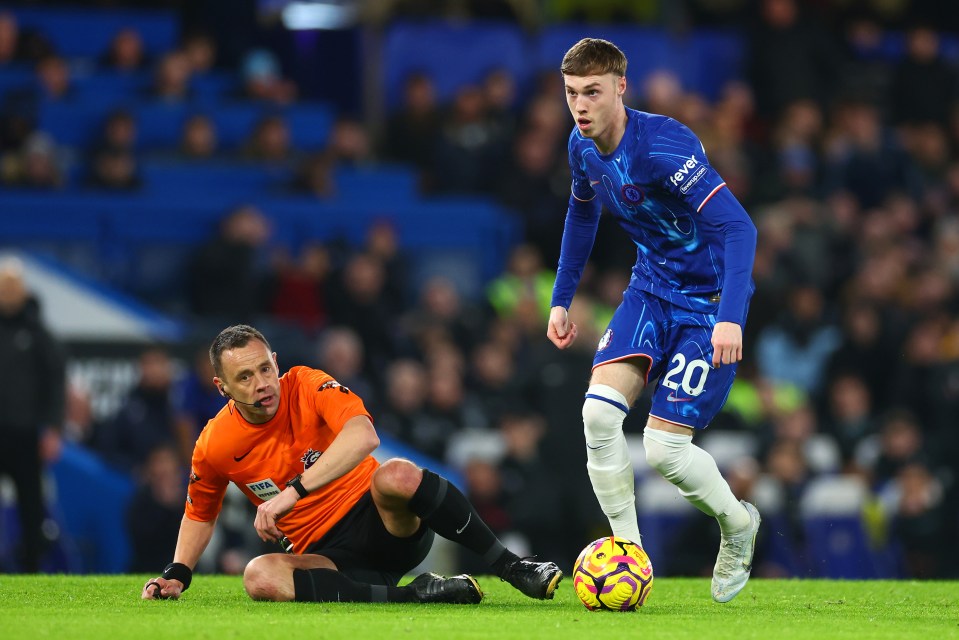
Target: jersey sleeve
x,y
581,189
678,163
579,233
333,402
204,496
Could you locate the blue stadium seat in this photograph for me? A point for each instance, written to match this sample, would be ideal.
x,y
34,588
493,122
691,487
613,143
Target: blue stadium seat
x,y
703,62
440,49
87,33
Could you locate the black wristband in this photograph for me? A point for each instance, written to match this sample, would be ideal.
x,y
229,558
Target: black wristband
x,y
297,484
179,571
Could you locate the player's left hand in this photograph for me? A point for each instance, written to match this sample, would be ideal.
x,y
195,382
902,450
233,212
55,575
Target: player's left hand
x,y
161,589
727,343
272,510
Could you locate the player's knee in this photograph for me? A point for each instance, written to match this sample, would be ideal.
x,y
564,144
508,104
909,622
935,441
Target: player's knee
x,y
262,578
603,413
667,457
397,477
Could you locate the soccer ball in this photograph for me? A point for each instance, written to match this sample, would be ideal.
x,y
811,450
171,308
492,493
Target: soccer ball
x,y
614,574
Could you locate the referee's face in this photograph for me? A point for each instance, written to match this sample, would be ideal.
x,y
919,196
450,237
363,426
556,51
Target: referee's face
x,y
596,102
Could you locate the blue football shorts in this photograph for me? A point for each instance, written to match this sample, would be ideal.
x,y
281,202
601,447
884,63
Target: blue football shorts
x,y
677,343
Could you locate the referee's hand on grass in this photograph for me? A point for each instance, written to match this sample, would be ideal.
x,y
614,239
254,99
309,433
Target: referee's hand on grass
x,y
161,589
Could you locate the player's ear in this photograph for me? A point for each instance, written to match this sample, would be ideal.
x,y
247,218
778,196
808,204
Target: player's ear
x,y
276,362
219,386
621,85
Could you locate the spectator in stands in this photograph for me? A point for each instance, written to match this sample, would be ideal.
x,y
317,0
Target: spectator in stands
x,y
499,92
924,86
525,282
171,80
33,395
228,273
53,77
468,148
263,79
154,513
402,413
382,243
920,521
529,479
114,169
145,420
198,141
126,53
900,444
200,49
356,300
270,142
442,314
195,400
9,39
36,165
349,145
494,381
339,352
531,183
299,288
114,164
314,176
865,159
411,134
20,45
450,405
850,417
791,57
796,349
79,424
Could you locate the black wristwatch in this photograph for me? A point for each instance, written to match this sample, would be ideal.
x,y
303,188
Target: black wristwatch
x,y
298,485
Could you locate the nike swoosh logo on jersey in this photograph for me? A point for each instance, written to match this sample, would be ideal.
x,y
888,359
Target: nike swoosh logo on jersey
x,y
235,459
672,398
463,528
593,183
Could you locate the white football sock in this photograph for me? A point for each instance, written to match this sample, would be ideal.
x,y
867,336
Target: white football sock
x,y
607,459
696,475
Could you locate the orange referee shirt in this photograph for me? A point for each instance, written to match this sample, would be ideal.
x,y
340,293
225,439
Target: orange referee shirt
x,y
261,458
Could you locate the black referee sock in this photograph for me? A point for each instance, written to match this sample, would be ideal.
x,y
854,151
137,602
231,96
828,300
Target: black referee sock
x,y
327,585
447,512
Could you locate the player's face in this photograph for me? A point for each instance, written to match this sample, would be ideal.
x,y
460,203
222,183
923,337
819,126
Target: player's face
x,y
251,375
596,103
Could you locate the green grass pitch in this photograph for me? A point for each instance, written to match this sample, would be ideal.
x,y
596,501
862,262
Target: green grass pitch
x,y
108,607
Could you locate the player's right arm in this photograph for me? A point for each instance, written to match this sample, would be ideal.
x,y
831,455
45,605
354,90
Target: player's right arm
x,y
582,220
203,502
193,538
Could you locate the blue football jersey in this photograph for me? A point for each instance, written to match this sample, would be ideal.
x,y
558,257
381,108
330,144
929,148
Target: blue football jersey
x,y
656,184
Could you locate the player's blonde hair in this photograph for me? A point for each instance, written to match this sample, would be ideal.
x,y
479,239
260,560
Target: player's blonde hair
x,y
593,57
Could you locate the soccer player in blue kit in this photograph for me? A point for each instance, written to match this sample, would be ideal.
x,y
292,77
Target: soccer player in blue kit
x,y
682,315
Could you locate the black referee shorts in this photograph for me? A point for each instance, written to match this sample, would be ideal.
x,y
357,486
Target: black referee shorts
x,y
361,547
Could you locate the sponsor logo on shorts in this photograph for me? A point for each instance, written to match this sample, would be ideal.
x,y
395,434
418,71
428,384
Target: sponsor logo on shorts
x,y
673,398
605,340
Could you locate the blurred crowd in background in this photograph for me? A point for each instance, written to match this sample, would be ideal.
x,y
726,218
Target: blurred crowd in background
x,y
847,161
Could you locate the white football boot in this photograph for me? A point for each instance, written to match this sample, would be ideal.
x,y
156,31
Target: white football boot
x,y
735,559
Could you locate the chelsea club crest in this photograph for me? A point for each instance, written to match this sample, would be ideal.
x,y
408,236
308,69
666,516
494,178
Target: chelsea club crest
x,y
605,340
633,194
